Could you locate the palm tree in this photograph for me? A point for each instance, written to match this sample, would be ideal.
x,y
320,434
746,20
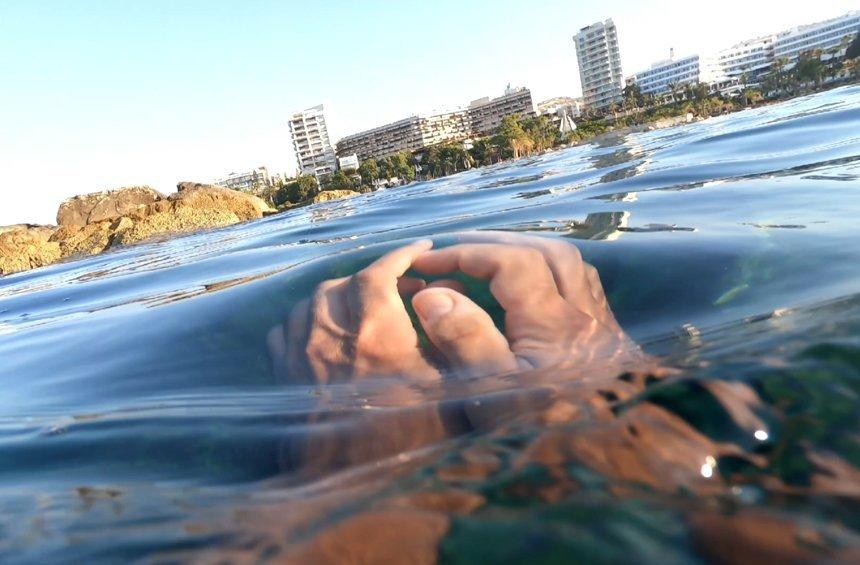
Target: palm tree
x,y
673,90
632,96
613,107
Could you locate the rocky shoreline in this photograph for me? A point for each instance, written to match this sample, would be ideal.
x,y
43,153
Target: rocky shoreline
x,y
92,223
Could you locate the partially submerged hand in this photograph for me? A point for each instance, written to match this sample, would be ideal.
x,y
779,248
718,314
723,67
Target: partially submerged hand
x,y
355,327
556,312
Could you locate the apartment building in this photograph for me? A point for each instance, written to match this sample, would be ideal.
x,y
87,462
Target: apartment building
x,y
402,135
750,59
662,75
246,180
599,64
314,153
833,34
481,117
448,126
486,114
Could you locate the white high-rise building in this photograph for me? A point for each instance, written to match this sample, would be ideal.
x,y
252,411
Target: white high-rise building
x,y
311,144
599,64
750,59
827,35
659,77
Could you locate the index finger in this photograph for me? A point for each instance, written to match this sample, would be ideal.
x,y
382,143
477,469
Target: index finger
x,y
518,275
394,263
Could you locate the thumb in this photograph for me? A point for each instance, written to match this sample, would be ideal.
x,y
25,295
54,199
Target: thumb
x,y
463,332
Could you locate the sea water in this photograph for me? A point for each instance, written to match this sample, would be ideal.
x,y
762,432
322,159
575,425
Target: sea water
x,y
139,417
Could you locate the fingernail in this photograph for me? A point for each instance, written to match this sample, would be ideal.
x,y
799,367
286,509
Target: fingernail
x,y
431,306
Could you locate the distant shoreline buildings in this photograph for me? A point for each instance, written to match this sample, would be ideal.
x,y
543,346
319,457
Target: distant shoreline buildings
x,y
246,180
415,133
748,61
727,71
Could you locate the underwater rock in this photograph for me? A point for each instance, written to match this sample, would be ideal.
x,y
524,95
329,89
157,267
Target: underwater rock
x,y
95,207
454,501
381,536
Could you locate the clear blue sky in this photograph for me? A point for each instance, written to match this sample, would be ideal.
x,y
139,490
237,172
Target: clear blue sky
x,y
101,94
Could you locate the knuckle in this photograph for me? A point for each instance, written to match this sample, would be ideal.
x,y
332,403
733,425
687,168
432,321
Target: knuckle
x,y
528,257
367,344
364,279
459,328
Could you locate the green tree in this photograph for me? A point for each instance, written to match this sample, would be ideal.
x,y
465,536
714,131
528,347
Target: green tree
x,y
751,96
386,168
853,50
302,188
673,90
512,138
340,181
402,167
369,171
541,131
809,67
484,151
632,96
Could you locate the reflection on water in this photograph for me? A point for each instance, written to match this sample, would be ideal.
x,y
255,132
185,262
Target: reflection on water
x,y
140,418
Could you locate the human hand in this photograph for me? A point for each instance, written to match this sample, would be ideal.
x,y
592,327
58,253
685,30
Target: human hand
x,y
556,312
355,327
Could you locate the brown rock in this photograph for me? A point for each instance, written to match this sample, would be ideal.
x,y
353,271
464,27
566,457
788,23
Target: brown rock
x,y
183,220
646,445
757,536
381,536
83,240
453,501
209,196
107,205
26,248
327,195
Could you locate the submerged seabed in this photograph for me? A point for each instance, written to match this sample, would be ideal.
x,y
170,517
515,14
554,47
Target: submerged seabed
x,y
139,417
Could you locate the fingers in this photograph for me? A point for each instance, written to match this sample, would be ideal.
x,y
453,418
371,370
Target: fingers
x,y
394,263
277,346
519,276
463,332
376,285
564,259
296,367
453,284
407,286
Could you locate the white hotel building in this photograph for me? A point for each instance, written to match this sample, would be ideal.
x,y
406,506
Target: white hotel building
x,y
658,78
599,64
826,35
314,153
750,59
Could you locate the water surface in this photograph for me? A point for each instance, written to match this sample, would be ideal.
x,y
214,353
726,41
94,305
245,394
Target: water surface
x,y
139,416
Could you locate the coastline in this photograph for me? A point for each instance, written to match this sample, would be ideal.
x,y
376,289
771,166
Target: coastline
x,y
196,207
